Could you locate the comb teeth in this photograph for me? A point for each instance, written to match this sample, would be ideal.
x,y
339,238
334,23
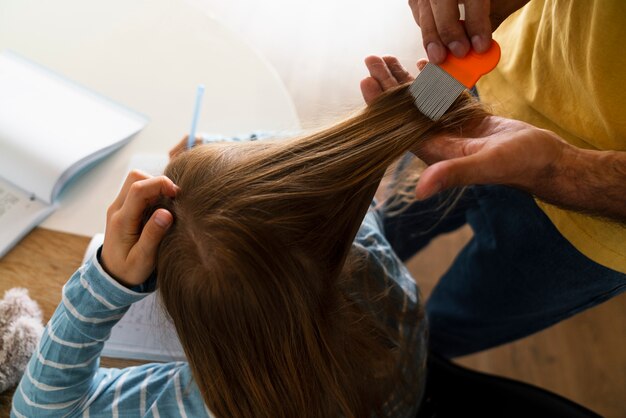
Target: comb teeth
x,y
434,91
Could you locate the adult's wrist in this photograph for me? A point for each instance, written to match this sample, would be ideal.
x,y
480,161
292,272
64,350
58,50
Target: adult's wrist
x,y
588,181
551,168
562,177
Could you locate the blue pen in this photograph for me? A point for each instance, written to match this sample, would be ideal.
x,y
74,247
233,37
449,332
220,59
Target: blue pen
x,y
196,113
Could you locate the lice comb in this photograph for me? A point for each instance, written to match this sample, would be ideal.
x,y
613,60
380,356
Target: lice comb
x,y
438,86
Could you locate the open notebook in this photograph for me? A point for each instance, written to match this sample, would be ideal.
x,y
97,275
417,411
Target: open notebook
x,y
144,332
51,129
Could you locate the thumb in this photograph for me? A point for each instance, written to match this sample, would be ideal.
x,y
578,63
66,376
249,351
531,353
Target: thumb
x,y
151,236
456,172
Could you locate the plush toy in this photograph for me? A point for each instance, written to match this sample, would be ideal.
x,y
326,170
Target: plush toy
x,y
20,331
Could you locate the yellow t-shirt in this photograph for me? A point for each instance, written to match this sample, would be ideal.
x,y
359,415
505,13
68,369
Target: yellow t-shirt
x,y
563,68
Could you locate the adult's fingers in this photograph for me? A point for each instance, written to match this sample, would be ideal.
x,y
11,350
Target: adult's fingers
x,y
421,63
441,147
457,172
397,70
450,30
370,89
378,70
446,146
423,14
143,193
478,24
132,177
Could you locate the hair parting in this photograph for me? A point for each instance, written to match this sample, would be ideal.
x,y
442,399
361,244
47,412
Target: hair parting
x,y
256,271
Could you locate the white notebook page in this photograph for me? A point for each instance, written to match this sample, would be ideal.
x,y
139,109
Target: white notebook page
x,y
19,211
144,333
48,124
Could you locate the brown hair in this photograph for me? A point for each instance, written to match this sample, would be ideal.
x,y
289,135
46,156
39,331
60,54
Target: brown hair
x,y
255,270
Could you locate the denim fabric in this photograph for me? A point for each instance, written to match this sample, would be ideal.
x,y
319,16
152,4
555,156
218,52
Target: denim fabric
x,y
516,276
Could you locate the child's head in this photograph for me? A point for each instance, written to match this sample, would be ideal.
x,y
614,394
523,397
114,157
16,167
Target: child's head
x,y
254,270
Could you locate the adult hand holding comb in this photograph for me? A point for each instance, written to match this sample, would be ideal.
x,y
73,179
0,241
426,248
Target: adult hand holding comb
x,y
442,30
497,150
491,152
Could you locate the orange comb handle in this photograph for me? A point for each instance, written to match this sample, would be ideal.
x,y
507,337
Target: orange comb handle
x,y
470,68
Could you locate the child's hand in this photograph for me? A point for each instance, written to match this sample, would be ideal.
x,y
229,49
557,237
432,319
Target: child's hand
x,y
129,253
182,146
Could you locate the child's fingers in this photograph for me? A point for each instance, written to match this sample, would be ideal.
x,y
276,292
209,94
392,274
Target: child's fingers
x,y
143,254
397,70
132,177
140,195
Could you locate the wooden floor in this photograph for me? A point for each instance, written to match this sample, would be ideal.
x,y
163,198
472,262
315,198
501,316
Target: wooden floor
x,y
318,50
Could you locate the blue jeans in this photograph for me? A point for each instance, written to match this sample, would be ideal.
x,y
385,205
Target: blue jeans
x,y
516,276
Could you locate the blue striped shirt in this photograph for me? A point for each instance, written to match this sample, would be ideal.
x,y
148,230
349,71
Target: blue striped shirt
x,y
63,378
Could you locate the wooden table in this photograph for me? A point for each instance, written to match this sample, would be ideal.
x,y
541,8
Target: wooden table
x,y
148,55
42,263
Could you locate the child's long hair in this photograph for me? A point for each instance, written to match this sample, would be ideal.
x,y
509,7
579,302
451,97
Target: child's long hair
x,y
255,269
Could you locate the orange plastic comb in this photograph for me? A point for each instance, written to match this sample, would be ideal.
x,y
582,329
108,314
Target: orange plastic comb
x,y
438,86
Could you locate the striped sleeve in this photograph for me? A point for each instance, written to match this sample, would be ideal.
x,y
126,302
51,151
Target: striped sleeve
x,y
62,375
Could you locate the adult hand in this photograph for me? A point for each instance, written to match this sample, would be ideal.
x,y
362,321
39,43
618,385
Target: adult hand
x,y
129,251
182,146
496,150
492,151
442,30
385,73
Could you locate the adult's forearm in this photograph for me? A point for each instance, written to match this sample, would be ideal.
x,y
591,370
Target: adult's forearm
x,y
588,181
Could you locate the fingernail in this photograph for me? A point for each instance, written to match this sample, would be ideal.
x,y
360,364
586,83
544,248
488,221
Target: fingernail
x,y
480,43
161,219
458,49
436,53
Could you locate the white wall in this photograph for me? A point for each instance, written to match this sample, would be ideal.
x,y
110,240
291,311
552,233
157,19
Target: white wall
x,y
318,46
